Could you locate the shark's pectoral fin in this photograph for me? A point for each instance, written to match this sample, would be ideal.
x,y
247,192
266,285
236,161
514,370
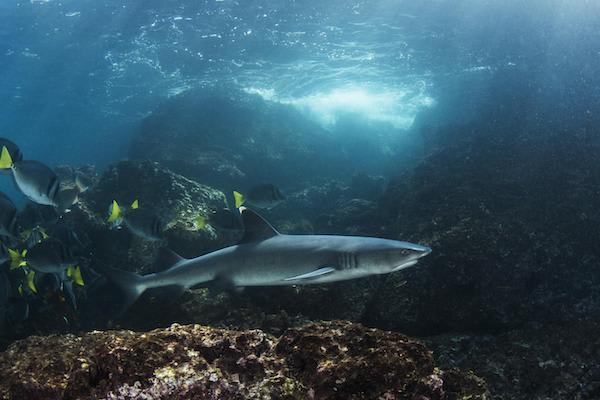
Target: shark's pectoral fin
x,y
311,275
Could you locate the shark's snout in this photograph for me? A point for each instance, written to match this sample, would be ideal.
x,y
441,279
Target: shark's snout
x,y
416,252
414,247
425,251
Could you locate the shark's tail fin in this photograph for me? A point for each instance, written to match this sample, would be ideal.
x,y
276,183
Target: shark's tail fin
x,y
131,284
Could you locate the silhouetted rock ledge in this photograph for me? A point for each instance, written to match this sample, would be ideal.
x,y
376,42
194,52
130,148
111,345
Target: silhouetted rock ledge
x,y
327,360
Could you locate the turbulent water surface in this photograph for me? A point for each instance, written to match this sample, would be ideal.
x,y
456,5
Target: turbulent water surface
x,y
79,74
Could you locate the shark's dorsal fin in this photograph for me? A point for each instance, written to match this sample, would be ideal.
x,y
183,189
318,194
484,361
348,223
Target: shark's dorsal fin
x,y
256,228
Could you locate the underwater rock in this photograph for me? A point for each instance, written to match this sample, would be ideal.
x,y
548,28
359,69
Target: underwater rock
x,y
513,222
331,206
554,361
174,199
232,140
352,217
85,176
328,360
229,139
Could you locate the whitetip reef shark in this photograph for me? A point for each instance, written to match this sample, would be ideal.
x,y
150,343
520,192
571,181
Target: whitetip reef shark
x,y
265,257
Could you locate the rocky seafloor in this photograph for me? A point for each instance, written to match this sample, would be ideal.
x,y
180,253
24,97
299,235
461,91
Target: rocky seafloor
x,y
327,360
511,291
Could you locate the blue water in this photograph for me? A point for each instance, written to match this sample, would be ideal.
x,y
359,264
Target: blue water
x,y
77,76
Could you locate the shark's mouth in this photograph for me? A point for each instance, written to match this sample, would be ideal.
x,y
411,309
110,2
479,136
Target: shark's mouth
x,y
405,265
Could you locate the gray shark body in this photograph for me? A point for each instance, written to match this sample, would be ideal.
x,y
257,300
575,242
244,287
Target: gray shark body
x,y
265,257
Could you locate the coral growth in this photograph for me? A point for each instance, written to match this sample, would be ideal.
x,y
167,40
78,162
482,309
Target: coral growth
x,y
329,360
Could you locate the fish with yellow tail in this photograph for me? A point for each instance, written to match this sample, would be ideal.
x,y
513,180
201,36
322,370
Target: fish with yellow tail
x,y
17,258
53,257
139,221
33,236
13,150
222,220
38,182
35,180
260,196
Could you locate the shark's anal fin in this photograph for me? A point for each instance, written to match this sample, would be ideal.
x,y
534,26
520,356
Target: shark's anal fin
x,y
256,228
311,275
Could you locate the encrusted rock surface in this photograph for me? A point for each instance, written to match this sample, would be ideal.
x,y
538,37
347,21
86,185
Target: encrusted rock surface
x,y
328,360
177,200
513,231
553,361
227,138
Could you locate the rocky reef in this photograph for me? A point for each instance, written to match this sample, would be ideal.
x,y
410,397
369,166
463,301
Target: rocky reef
x,y
550,361
508,292
328,360
227,138
514,230
176,200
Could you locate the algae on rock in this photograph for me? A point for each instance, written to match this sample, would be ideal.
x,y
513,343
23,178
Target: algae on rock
x,y
327,360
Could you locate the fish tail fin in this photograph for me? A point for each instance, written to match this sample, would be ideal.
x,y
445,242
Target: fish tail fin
x,y
31,281
135,205
81,186
16,259
131,284
114,212
74,272
6,161
239,199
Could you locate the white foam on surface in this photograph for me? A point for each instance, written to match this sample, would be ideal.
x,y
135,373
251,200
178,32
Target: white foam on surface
x,y
396,107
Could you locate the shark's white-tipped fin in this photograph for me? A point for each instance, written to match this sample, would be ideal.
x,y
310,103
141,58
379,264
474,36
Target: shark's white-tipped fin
x,y
256,228
313,274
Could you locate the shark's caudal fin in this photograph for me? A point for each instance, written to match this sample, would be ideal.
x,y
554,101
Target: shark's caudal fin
x,y
256,228
131,284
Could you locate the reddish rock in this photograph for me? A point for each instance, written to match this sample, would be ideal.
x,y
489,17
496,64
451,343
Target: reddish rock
x,y
328,360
